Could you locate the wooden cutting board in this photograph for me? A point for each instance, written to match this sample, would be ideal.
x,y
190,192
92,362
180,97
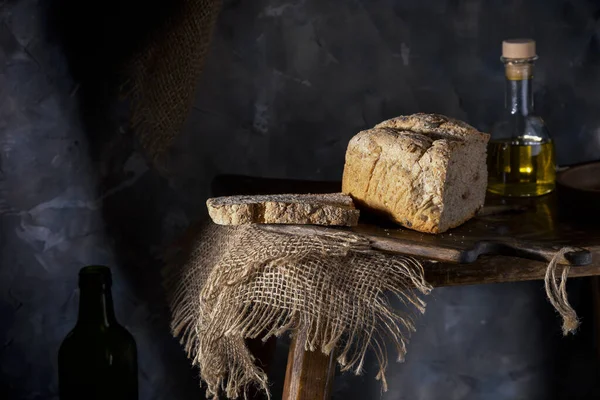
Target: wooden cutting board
x,y
526,228
531,228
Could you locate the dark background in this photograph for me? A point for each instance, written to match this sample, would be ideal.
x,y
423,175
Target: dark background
x,y
286,84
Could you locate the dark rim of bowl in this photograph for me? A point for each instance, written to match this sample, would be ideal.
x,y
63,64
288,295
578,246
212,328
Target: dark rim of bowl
x,y
561,178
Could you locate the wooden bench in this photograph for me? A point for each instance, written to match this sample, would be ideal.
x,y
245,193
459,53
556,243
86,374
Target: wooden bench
x,y
537,221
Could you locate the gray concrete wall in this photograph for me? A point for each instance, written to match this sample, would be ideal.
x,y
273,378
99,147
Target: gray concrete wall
x,y
286,84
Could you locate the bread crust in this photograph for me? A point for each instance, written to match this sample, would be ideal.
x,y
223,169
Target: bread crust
x,y
400,169
433,125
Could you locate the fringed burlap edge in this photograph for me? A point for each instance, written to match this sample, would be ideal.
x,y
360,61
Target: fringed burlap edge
x,y
213,314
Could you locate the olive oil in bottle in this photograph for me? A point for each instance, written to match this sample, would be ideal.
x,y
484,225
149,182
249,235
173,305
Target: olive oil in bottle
x,y
521,159
521,168
98,358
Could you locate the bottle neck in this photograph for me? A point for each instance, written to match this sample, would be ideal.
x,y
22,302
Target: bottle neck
x,y
96,306
519,88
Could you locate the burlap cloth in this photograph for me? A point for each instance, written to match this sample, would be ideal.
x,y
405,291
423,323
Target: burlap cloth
x,y
245,282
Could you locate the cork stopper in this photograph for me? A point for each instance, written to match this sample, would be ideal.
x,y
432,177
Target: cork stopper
x,y
518,48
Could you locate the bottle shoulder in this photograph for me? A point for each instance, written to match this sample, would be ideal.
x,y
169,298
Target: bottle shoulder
x,y
91,355
519,126
113,335
533,119
68,341
125,334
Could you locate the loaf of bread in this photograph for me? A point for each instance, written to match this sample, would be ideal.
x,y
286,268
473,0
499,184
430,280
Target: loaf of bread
x,y
425,171
316,209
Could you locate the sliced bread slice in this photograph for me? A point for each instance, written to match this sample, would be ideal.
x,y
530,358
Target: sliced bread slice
x,y
316,209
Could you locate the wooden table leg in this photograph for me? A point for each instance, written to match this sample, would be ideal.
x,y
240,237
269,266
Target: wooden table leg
x,y
309,374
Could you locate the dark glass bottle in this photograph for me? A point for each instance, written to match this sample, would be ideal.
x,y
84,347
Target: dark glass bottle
x,y
98,358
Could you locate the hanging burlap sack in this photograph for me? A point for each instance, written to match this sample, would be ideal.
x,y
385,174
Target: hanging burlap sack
x,y
164,74
240,282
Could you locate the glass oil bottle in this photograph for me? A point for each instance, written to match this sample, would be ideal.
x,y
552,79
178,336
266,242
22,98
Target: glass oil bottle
x,y
521,159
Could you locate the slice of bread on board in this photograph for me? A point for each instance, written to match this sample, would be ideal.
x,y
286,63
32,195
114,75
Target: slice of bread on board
x,y
424,171
317,209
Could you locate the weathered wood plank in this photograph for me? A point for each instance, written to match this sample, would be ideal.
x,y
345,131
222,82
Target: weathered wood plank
x,y
498,269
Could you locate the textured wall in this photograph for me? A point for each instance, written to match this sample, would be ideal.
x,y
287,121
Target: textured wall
x,y
286,84
62,185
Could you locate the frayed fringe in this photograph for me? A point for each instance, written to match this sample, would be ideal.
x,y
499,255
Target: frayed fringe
x,y
244,283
